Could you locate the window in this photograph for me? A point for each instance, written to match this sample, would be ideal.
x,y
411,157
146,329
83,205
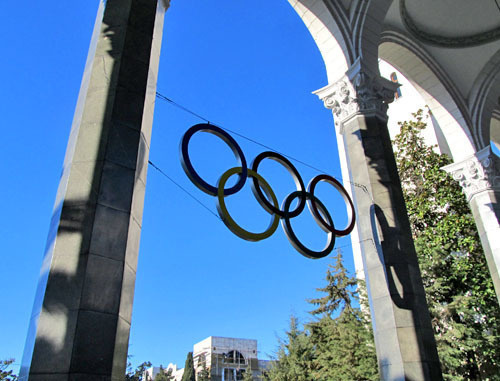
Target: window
x,y
228,374
240,374
234,357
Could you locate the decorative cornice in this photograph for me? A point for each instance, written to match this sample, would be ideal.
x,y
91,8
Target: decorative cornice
x,y
478,173
358,93
443,41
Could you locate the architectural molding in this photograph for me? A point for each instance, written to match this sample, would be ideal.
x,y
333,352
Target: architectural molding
x,y
478,173
445,41
403,39
358,92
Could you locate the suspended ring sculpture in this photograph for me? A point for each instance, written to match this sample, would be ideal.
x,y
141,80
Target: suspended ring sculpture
x,y
266,196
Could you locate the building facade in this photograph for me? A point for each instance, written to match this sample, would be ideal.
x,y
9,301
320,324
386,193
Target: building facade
x,y
226,358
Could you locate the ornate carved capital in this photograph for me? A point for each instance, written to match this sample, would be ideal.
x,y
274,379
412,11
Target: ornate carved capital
x,y
358,92
479,173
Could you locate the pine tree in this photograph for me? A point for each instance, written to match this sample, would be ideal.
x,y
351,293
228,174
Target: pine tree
x,y
5,374
137,373
295,356
189,373
204,374
342,336
248,375
459,290
340,290
164,375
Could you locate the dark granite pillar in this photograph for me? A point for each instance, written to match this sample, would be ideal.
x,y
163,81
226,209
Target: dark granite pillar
x,y
479,177
81,317
404,337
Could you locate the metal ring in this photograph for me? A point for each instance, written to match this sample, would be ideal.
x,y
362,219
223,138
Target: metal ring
x,y
257,191
347,199
229,221
292,237
193,175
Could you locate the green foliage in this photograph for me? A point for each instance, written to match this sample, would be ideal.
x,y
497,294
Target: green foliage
x,y
459,290
337,345
340,290
295,356
164,375
189,373
204,374
342,336
5,374
248,375
137,373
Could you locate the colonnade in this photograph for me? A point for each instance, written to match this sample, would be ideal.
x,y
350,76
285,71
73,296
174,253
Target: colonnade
x,y
81,318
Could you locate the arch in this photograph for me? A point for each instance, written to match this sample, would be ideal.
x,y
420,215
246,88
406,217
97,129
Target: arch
x,y
495,131
234,357
449,110
484,103
328,24
368,22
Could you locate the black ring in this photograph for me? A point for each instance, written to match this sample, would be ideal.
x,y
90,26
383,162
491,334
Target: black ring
x,y
292,237
261,198
347,199
193,175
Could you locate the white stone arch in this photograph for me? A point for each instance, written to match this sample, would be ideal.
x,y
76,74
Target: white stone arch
x,y
329,27
367,19
449,109
484,103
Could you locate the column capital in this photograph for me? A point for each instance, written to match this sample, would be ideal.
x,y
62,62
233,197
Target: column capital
x,y
358,92
478,173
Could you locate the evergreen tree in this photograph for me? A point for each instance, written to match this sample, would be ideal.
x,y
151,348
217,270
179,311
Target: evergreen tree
x,y
459,290
295,356
137,373
189,373
204,374
5,374
342,335
248,375
337,345
340,290
164,375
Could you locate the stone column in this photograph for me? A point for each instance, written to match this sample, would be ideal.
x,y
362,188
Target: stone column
x,y
404,337
479,176
80,323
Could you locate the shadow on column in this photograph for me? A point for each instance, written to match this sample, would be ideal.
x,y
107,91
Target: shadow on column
x,y
79,328
389,219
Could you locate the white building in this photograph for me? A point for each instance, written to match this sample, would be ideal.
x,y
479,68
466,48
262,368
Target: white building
x,y
152,372
227,359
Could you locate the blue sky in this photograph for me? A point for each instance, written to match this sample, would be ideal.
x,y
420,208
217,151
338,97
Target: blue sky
x,y
249,69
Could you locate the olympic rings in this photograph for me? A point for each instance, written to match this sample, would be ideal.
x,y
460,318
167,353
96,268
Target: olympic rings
x,y
314,210
287,227
296,177
261,189
193,175
228,220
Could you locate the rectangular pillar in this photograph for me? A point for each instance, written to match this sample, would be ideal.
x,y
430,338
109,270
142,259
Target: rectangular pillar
x,y
80,323
404,337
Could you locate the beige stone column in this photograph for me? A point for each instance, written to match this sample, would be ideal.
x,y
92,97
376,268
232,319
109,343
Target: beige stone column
x,y
404,337
79,328
479,176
